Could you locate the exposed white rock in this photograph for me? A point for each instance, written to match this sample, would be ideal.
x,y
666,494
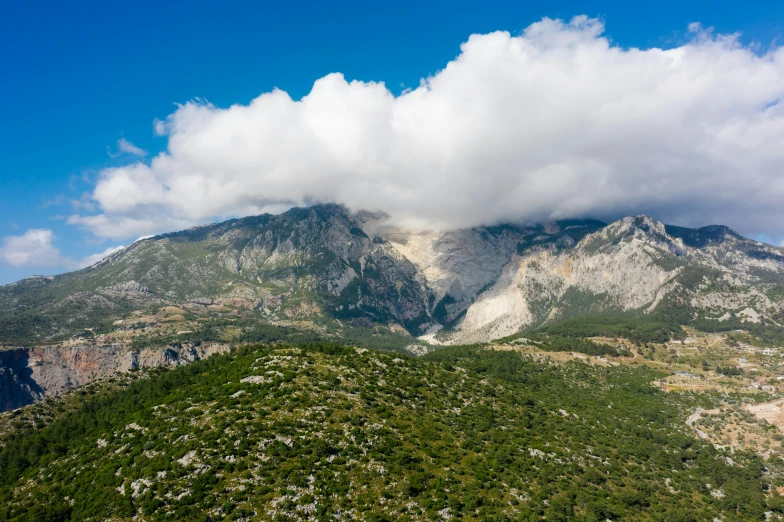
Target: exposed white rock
x,y
256,379
187,459
500,311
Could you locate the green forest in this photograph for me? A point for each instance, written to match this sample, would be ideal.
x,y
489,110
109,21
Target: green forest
x,y
325,431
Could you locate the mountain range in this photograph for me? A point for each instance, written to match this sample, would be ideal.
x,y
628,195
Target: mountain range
x,y
326,264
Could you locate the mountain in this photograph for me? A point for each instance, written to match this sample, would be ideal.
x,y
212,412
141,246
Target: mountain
x,y
304,263
635,265
323,266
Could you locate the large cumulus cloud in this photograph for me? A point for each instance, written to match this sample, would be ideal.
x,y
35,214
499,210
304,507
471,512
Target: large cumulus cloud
x,y
36,248
555,122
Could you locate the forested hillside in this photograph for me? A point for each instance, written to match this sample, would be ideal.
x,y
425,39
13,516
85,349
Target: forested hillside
x,y
329,432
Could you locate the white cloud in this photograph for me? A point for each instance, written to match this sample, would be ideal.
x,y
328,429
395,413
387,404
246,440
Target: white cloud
x,y
35,248
555,122
159,127
126,147
85,203
129,148
122,226
94,258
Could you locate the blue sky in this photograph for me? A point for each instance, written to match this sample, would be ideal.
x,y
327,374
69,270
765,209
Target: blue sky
x,y
79,76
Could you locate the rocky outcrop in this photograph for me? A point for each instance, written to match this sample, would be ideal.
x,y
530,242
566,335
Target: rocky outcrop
x,y
28,375
128,287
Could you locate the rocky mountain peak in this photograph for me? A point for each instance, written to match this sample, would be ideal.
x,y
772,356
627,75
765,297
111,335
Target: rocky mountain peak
x,y
634,225
641,227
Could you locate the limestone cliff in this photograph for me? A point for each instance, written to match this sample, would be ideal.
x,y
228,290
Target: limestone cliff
x,y
28,375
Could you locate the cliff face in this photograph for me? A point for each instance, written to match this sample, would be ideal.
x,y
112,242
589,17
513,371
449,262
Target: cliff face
x,y
28,375
17,388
